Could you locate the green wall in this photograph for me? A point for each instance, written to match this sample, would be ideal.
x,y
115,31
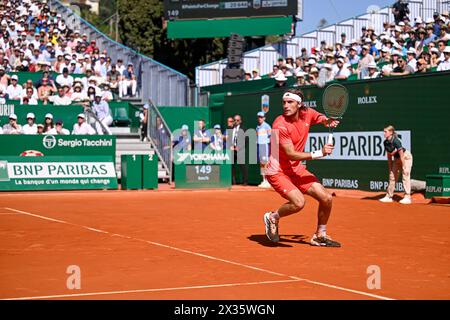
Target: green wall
x,y
175,117
418,104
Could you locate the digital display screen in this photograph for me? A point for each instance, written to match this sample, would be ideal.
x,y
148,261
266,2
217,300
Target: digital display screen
x,y
208,9
203,173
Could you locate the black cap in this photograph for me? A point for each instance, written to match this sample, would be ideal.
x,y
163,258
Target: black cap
x,y
65,70
59,121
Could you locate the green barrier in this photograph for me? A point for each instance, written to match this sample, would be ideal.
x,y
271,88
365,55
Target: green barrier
x,y
123,113
437,186
36,76
150,171
59,145
200,171
416,105
131,171
57,173
175,117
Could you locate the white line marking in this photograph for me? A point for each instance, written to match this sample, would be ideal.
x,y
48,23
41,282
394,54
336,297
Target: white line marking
x,y
152,290
208,257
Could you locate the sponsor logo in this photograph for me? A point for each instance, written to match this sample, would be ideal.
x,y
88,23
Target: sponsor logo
x,y
367,100
444,170
183,157
340,183
434,189
310,104
31,170
382,185
49,142
358,145
6,110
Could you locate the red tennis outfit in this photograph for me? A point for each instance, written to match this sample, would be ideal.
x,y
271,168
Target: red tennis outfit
x,y
285,175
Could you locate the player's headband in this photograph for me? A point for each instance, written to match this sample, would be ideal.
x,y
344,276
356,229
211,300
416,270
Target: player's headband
x,y
289,95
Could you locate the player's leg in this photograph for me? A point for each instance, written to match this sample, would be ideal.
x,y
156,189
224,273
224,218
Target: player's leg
x,y
393,177
406,177
296,201
325,199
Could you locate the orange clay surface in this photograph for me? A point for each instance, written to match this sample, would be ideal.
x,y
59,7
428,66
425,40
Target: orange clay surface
x,y
211,244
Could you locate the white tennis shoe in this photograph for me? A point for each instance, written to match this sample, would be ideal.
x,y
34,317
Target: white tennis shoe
x,y
406,200
271,228
386,199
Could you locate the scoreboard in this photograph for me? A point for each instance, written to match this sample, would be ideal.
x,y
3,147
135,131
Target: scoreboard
x,y
209,9
198,170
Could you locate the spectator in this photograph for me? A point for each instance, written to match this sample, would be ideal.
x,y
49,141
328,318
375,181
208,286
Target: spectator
x,y
435,57
342,72
183,141
255,74
263,133
313,76
30,127
59,129
441,47
443,34
129,81
40,128
421,66
113,77
81,127
385,56
280,80
420,42
12,127
436,24
411,57
78,94
29,96
236,147
364,62
400,10
373,71
402,69
61,99
48,122
103,113
353,56
445,65
64,78
46,90
202,137
227,134
430,37
14,90
217,139
301,81
275,71
248,76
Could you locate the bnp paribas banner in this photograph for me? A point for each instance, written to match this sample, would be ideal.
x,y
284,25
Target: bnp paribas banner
x,y
57,145
57,173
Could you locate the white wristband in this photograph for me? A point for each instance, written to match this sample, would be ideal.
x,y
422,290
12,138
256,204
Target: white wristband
x,y
317,154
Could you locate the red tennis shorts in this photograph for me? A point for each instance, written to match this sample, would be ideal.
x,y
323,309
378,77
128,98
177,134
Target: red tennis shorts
x,y
301,180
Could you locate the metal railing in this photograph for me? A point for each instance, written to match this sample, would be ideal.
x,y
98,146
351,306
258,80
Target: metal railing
x,y
156,81
160,137
265,57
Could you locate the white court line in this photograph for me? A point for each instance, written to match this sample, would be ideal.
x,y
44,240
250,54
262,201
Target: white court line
x,y
207,256
152,290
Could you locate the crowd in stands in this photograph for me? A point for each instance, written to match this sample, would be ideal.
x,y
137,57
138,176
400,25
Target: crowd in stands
x,y
71,69
401,48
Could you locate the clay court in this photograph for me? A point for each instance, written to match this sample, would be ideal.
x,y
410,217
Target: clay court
x,y
211,245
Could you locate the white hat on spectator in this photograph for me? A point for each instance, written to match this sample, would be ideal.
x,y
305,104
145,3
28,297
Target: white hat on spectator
x,y
313,56
12,116
78,84
434,50
314,69
289,66
92,79
311,61
411,51
401,23
397,45
25,63
365,47
102,56
370,28
385,50
280,77
81,115
49,116
87,56
341,60
14,77
300,74
445,13
447,49
418,20
30,115
73,62
327,66
67,57
49,44
367,40
429,20
396,53
23,33
372,65
398,29
76,31
353,48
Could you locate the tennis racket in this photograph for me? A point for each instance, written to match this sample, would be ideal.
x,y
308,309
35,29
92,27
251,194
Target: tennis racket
x,y
335,102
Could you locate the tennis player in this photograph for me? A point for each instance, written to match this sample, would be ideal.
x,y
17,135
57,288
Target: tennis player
x,y
286,173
